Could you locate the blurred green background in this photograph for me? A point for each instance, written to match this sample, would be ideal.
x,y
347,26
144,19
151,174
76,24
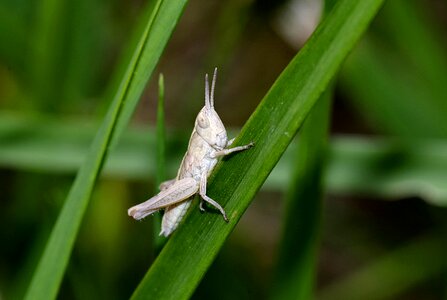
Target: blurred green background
x,y
384,219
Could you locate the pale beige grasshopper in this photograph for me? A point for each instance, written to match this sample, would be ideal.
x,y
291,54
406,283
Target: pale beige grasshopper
x,y
208,142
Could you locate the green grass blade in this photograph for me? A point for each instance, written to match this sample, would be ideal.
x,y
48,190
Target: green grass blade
x,y
167,17
160,175
51,268
161,133
299,243
189,252
387,168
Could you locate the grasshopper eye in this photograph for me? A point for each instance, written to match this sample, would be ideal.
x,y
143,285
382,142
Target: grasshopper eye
x,y
203,122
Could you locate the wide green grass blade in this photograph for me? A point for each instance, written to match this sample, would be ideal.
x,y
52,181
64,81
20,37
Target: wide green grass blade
x,y
189,252
296,266
388,168
51,268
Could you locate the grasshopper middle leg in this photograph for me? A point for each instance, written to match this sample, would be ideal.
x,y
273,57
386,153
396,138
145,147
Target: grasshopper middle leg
x,y
202,192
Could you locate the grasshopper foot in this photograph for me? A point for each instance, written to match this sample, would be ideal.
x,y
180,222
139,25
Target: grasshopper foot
x,y
225,217
201,205
215,204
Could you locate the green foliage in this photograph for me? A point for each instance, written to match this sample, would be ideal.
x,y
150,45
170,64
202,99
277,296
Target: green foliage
x,y
57,58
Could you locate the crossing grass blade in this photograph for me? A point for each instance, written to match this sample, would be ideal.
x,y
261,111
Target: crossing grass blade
x,y
52,265
183,261
298,250
54,146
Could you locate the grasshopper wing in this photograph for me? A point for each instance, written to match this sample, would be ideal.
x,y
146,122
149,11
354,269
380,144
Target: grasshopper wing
x,y
175,193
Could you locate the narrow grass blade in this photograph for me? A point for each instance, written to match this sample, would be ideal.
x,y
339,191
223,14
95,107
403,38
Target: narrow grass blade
x,y
51,268
157,38
161,133
299,243
191,249
160,176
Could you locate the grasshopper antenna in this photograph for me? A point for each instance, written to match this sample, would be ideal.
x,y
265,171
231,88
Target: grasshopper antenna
x,y
207,92
212,88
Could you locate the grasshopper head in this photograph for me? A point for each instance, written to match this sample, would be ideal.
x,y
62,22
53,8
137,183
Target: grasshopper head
x,y
208,124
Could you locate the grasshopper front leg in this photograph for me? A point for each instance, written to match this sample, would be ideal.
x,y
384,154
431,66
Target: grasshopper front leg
x,y
224,152
179,191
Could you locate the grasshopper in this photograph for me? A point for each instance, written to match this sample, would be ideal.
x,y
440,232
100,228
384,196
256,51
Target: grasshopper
x,y
208,142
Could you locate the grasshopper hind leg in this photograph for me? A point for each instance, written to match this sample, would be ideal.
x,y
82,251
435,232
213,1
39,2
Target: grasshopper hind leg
x,y
178,192
166,184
